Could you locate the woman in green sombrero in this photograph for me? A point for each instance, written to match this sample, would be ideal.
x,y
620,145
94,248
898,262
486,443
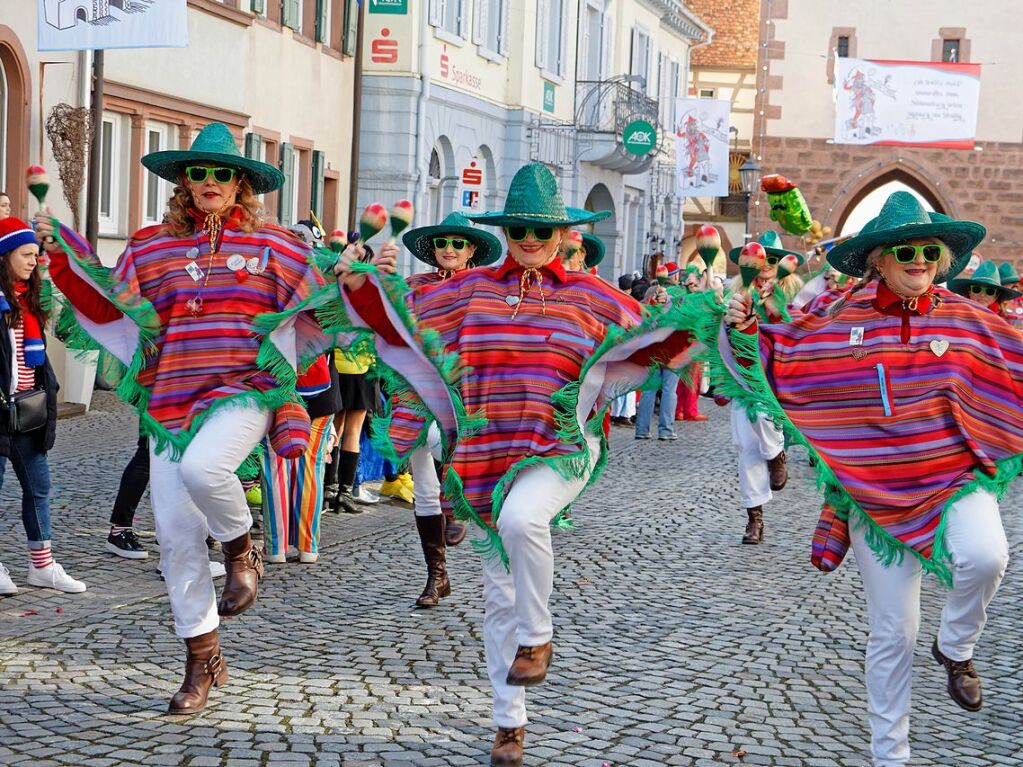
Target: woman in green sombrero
x,y
763,468
985,287
542,352
208,314
910,398
450,247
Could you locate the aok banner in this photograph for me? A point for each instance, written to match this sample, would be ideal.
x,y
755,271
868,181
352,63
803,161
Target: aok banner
x,y
906,103
78,25
701,147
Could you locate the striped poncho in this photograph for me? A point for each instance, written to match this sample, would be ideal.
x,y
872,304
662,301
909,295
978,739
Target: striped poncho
x,y
907,410
246,345
540,379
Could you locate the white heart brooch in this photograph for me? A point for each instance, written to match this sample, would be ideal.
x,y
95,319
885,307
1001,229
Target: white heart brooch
x,y
939,347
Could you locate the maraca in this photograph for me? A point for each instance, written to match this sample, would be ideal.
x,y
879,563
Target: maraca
x,y
573,242
401,216
38,181
373,219
708,243
752,258
338,240
787,266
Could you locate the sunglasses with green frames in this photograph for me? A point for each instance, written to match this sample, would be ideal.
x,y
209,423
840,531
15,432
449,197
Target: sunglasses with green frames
x,y
198,174
982,290
906,254
519,233
441,243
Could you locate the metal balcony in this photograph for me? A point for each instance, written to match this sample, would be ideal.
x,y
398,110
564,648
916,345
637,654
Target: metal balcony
x,y
605,108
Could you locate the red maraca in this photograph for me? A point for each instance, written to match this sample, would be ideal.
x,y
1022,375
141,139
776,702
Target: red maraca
x,y
787,266
573,242
38,181
752,258
373,219
338,240
708,243
401,216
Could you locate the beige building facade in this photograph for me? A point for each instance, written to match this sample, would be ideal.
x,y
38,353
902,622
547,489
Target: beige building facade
x,y
796,115
279,73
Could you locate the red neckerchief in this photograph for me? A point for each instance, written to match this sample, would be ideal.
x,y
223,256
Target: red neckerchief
x,y
888,302
233,215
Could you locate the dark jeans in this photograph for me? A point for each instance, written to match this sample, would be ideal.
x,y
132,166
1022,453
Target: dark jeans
x,y
33,472
134,481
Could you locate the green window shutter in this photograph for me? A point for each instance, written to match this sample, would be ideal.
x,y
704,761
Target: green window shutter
x,y
316,198
254,146
287,192
352,8
322,32
291,14
258,7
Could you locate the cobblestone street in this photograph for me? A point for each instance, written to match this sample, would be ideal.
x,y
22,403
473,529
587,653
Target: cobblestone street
x,y
674,645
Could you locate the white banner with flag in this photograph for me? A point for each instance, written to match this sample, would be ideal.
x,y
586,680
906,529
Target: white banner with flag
x,y
701,147
906,103
78,25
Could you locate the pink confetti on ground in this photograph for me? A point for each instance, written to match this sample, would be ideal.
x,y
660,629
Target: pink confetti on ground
x,y
28,613
577,728
60,609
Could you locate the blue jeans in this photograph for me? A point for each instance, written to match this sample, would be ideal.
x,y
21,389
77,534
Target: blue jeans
x,y
33,472
669,399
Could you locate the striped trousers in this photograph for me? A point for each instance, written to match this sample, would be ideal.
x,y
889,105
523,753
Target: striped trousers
x,y
293,494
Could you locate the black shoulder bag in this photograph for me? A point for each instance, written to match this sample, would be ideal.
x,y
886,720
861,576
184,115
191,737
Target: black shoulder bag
x,y
26,410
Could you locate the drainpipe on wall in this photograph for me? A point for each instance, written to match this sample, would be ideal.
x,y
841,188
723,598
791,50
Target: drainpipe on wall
x,y
422,158
353,186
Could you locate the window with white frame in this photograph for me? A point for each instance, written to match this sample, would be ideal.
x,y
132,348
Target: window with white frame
x,y
641,56
291,14
708,93
156,191
258,7
490,27
448,16
112,166
552,19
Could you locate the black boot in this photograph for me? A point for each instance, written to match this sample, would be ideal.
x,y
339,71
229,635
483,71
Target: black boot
x,y
330,486
347,465
755,526
431,535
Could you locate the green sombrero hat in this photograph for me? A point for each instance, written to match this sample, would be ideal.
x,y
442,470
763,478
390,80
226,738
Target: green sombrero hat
x,y
420,240
534,200
214,144
1007,273
903,218
772,245
985,276
594,247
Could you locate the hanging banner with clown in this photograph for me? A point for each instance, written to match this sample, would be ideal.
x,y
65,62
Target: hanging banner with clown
x,y
701,147
906,103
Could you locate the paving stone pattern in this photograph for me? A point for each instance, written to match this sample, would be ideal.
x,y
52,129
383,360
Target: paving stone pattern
x,y
674,645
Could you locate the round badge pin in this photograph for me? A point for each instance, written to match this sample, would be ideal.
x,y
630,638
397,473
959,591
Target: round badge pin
x,y
235,262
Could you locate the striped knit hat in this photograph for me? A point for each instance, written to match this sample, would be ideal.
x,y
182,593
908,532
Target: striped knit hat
x,y
14,233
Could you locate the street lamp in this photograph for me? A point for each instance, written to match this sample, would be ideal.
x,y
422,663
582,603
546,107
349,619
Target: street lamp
x,y
749,175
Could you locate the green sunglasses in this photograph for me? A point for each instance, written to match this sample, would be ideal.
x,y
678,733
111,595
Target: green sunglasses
x,y
540,233
198,174
441,243
906,254
772,260
981,290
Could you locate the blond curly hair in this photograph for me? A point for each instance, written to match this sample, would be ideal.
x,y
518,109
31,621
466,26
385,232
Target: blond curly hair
x,y
179,223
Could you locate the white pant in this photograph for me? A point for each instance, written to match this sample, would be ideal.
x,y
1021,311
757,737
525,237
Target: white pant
x,y
199,493
976,541
757,442
426,485
516,602
624,406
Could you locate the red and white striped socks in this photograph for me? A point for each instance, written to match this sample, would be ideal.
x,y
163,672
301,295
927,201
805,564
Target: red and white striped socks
x,y
41,557
117,529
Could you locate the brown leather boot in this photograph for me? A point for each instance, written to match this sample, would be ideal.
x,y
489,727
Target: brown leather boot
x,y
204,668
454,532
530,665
507,750
755,527
779,470
963,681
431,535
244,569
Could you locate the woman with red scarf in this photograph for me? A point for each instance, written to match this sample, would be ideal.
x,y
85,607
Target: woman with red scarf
x,y
25,374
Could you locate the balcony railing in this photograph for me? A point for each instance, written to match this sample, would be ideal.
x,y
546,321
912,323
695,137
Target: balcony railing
x,y
607,106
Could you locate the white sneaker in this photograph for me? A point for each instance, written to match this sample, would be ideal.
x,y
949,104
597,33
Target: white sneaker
x,y
6,584
365,496
54,577
274,559
307,557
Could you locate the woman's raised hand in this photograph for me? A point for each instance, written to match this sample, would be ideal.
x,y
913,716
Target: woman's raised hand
x,y
385,260
43,222
739,313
